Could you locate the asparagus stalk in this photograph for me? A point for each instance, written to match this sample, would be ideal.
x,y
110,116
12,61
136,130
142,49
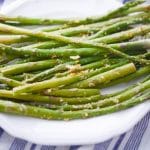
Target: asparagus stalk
x,y
125,46
37,21
94,27
96,65
9,82
57,52
32,111
73,67
119,26
140,72
67,32
71,31
49,99
145,55
133,45
10,39
125,95
105,77
44,45
28,67
145,8
72,92
143,29
5,39
124,35
52,28
39,65
41,53
71,78
57,82
21,77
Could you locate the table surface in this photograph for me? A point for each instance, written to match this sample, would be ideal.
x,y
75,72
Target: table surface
x,y
136,138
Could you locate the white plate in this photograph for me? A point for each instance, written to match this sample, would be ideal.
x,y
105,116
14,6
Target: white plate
x,y
87,131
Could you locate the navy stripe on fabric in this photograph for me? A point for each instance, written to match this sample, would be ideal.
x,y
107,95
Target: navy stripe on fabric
x,y
33,146
1,1
18,144
103,145
137,134
119,141
1,131
74,147
48,148
124,1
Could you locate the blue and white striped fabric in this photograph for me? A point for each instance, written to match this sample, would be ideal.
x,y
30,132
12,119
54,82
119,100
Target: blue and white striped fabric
x,y
138,138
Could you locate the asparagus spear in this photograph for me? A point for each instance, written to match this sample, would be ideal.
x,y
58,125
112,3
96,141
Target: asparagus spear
x,y
118,72
71,66
105,77
68,40
49,99
138,73
145,55
124,35
82,51
125,46
5,39
133,45
10,39
32,111
57,52
72,92
37,21
44,45
21,77
29,66
67,32
145,8
126,89
119,26
126,94
94,27
9,82
70,31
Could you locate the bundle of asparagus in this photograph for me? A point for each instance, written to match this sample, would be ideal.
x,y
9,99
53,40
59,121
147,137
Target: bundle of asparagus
x,y
57,71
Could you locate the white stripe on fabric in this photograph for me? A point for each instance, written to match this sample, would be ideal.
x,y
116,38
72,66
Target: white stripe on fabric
x,y
86,147
38,147
28,146
5,141
145,143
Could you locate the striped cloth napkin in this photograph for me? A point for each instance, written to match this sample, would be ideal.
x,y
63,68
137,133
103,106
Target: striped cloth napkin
x,y
138,138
